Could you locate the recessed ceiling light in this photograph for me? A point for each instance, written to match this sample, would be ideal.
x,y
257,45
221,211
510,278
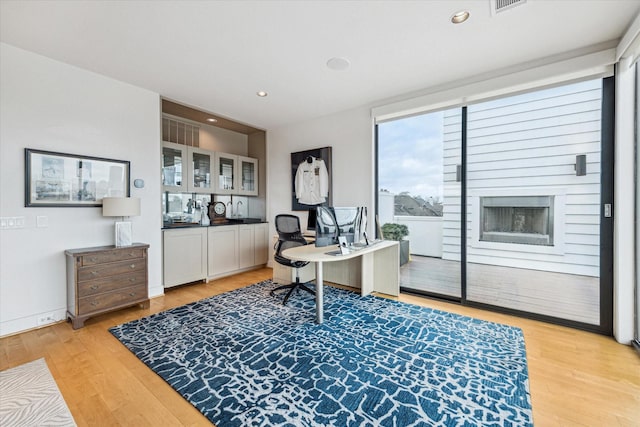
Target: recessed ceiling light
x,y
261,93
212,120
460,17
338,64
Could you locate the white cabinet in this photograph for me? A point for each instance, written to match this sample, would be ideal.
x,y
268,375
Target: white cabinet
x,y
226,173
261,243
235,175
184,255
223,250
200,168
235,248
186,169
198,253
196,170
252,245
246,246
174,167
248,176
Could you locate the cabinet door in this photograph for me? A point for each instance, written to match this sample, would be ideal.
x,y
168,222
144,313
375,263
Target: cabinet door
x,y
248,173
200,168
184,255
246,252
260,242
226,173
222,249
174,167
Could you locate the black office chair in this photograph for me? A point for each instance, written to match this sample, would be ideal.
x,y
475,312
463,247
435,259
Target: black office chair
x,y
289,236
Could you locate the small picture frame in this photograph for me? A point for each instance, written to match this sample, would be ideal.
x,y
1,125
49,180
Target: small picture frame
x,y
344,246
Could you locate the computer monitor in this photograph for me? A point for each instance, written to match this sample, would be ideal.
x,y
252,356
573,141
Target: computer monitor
x,y
334,221
311,222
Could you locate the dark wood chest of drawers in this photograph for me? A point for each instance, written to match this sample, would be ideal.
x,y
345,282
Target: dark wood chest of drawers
x,y
105,278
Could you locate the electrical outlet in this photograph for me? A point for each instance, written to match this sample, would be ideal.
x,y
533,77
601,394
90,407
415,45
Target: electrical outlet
x,y
42,221
46,319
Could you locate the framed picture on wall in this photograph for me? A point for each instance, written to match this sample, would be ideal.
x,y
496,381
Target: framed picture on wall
x,y
60,179
311,179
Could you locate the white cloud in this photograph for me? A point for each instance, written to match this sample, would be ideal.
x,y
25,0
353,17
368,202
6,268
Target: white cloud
x,y
410,155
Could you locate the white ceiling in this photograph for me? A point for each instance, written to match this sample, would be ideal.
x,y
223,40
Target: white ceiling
x,y
215,55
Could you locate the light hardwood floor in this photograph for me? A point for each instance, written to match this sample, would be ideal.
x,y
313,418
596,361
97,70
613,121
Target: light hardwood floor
x,y
576,378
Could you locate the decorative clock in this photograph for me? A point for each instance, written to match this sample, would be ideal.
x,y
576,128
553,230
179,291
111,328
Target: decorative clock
x,y
217,212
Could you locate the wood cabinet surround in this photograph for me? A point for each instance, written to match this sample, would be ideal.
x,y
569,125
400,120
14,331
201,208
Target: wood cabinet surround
x,y
105,278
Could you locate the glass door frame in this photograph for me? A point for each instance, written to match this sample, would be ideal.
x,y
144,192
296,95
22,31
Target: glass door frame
x,y
605,325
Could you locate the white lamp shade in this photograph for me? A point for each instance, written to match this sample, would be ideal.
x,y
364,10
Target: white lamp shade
x,y
120,206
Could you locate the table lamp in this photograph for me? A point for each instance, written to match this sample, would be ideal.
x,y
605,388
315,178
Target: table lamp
x,y
122,207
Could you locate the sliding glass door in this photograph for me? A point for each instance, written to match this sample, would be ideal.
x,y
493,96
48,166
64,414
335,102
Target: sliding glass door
x,y
419,188
534,234
533,179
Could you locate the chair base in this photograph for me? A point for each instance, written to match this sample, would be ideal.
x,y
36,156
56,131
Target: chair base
x,y
292,287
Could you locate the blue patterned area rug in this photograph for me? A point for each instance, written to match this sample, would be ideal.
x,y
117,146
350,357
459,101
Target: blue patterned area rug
x,y
244,359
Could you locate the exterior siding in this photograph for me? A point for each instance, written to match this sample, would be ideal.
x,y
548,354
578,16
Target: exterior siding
x,y
528,143
451,207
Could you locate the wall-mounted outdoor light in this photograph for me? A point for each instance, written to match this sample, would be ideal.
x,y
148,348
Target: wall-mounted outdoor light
x,y
581,165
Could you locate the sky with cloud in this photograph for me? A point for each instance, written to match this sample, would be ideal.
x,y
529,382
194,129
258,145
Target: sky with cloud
x,y
410,155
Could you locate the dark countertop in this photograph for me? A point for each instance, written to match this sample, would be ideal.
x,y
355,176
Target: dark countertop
x,y
233,221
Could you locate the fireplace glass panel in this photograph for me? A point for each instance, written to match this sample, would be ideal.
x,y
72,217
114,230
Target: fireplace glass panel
x,y
520,220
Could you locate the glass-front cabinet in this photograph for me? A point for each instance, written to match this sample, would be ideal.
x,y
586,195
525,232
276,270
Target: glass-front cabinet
x,y
248,176
200,162
226,171
174,161
196,170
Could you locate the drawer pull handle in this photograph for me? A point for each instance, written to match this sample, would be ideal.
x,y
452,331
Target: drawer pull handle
x,y
132,294
132,266
94,273
95,303
93,259
94,287
131,279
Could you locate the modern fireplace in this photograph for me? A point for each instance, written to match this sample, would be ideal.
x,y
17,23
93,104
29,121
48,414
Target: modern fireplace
x,y
517,219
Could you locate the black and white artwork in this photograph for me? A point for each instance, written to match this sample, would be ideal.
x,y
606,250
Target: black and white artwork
x,y
61,179
311,179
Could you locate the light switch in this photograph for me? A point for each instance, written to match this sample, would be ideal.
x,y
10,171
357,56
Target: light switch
x,y
3,223
42,221
20,221
11,222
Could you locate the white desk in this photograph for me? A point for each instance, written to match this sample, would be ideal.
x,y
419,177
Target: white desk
x,y
380,268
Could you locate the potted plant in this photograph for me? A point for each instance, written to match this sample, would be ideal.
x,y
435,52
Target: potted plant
x,y
393,231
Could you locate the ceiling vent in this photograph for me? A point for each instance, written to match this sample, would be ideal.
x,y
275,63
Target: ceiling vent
x,y
498,6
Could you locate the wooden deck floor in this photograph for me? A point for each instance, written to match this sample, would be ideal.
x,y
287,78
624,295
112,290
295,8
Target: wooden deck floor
x,y
566,296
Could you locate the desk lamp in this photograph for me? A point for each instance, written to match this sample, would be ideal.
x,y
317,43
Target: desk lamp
x,y
122,207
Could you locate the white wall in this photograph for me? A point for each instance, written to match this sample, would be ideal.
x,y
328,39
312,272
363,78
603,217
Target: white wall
x,y
218,139
350,135
48,105
427,232
623,206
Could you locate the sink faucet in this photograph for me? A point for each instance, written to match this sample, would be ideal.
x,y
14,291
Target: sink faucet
x,y
238,208
230,205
